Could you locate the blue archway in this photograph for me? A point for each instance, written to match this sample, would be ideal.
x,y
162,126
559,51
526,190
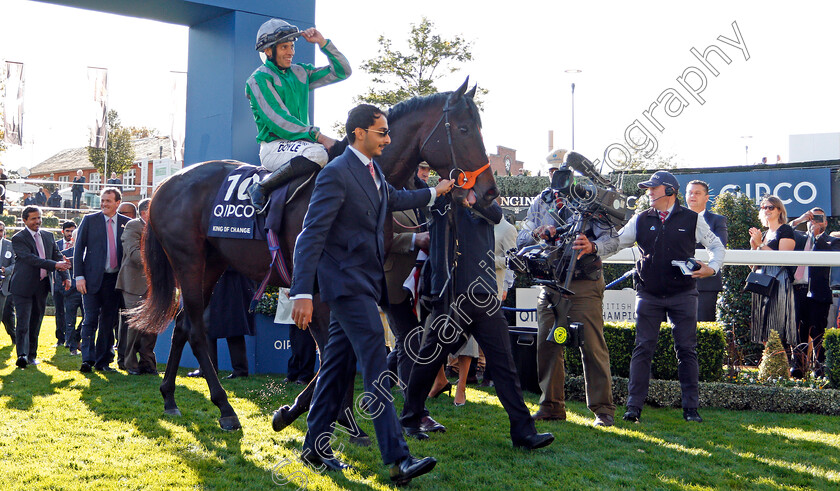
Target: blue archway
x,y
219,124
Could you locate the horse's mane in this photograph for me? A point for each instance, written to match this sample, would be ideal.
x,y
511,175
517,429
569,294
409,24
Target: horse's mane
x,y
420,102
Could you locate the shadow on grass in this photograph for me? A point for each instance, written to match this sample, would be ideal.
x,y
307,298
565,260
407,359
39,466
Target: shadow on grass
x,y
22,386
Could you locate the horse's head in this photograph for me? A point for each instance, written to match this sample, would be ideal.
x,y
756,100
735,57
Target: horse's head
x,y
454,148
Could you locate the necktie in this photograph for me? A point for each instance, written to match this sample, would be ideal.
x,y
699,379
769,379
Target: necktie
x,y
663,215
800,270
39,244
112,245
372,172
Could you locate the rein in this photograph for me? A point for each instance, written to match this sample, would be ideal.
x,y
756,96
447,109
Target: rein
x,y
463,179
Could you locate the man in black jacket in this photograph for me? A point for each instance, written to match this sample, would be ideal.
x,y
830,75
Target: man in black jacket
x,y
697,197
467,304
812,291
666,234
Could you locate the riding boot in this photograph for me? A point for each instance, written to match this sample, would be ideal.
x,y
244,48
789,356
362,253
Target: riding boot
x,y
260,191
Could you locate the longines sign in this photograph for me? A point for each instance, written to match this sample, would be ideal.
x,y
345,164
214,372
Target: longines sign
x,y
516,201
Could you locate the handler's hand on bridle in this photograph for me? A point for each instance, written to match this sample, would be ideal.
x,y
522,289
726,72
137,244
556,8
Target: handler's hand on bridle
x,y
302,312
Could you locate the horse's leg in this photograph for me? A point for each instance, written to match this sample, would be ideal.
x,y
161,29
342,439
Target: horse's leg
x,y
167,387
195,302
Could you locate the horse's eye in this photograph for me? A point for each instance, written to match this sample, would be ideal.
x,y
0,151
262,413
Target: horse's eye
x,y
464,130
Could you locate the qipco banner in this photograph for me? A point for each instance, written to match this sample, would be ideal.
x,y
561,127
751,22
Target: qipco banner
x,y
799,189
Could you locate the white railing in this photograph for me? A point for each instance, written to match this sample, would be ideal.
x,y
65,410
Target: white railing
x,y
736,257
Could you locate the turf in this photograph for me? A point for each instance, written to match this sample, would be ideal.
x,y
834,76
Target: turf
x,y
61,429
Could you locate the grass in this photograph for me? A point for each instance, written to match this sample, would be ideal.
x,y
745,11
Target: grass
x,y
61,429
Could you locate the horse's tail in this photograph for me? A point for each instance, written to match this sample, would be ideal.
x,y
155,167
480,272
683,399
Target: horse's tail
x,y
160,306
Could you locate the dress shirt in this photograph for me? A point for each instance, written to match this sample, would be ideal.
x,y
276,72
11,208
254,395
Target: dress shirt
x,y
627,237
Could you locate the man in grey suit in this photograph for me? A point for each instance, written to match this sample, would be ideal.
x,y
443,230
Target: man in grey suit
x,y
131,280
36,255
696,196
7,267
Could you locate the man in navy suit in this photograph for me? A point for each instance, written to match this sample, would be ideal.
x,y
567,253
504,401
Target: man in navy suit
x,y
65,242
696,196
342,245
812,292
96,262
7,267
37,255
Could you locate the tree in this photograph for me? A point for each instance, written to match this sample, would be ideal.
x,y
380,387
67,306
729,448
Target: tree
x,y
120,151
398,76
142,131
640,162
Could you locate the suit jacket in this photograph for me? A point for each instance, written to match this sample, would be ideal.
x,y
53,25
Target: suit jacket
x,y
92,248
343,243
29,264
819,281
7,261
717,223
131,278
401,258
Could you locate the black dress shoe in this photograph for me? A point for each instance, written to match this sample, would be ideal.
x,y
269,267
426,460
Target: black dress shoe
x,y
236,375
535,441
408,468
429,425
132,371
415,432
691,414
316,462
633,414
85,368
21,362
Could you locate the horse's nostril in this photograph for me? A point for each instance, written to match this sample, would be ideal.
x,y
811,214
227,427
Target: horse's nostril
x,y
492,191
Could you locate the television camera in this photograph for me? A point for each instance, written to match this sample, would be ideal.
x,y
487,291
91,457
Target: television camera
x,y
574,201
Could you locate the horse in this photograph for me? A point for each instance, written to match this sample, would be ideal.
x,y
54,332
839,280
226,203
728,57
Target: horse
x,y
443,129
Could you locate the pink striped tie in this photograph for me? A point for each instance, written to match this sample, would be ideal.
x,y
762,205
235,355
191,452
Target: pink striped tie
x,y
112,245
39,244
372,172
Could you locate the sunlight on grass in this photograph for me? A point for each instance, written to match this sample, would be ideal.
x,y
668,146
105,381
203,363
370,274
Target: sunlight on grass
x,y
660,442
832,439
833,476
680,484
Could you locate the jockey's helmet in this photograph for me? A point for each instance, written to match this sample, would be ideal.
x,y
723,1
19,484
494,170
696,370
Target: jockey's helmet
x,y
275,31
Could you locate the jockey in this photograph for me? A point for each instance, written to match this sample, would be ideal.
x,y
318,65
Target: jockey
x,y
278,92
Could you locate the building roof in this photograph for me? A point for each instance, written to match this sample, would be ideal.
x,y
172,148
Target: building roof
x,y
72,159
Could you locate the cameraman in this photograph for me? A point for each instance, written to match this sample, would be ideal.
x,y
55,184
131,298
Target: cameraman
x,y
546,214
664,233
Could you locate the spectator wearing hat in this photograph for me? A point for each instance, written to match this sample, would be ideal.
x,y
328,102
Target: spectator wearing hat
x,y
665,233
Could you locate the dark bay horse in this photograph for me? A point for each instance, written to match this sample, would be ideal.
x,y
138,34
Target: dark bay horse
x,y
442,129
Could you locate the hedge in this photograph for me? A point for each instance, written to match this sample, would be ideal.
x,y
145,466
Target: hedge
x,y
831,344
621,338
667,393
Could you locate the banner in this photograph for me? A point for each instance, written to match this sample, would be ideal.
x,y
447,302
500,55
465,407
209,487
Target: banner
x,y
799,189
98,84
178,117
13,104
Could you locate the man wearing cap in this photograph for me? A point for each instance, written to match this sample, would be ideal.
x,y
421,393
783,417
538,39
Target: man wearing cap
x,y
665,233
278,92
547,214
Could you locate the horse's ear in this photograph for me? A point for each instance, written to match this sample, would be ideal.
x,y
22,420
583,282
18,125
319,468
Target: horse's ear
x,y
471,93
461,90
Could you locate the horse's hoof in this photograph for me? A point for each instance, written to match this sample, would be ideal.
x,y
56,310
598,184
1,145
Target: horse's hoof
x,y
361,441
281,419
172,412
229,423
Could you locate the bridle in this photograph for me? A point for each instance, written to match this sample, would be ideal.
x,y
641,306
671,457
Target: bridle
x,y
463,179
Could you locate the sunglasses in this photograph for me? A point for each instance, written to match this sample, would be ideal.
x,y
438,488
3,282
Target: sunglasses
x,y
768,207
384,132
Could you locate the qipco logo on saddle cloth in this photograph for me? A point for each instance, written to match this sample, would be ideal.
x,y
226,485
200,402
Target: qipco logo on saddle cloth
x,y
233,215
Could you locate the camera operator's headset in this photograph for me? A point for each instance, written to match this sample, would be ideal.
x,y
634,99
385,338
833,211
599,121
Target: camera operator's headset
x,y
669,190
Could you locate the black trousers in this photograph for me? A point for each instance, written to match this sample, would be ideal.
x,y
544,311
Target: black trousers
x,y
30,312
302,362
238,354
811,321
480,316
